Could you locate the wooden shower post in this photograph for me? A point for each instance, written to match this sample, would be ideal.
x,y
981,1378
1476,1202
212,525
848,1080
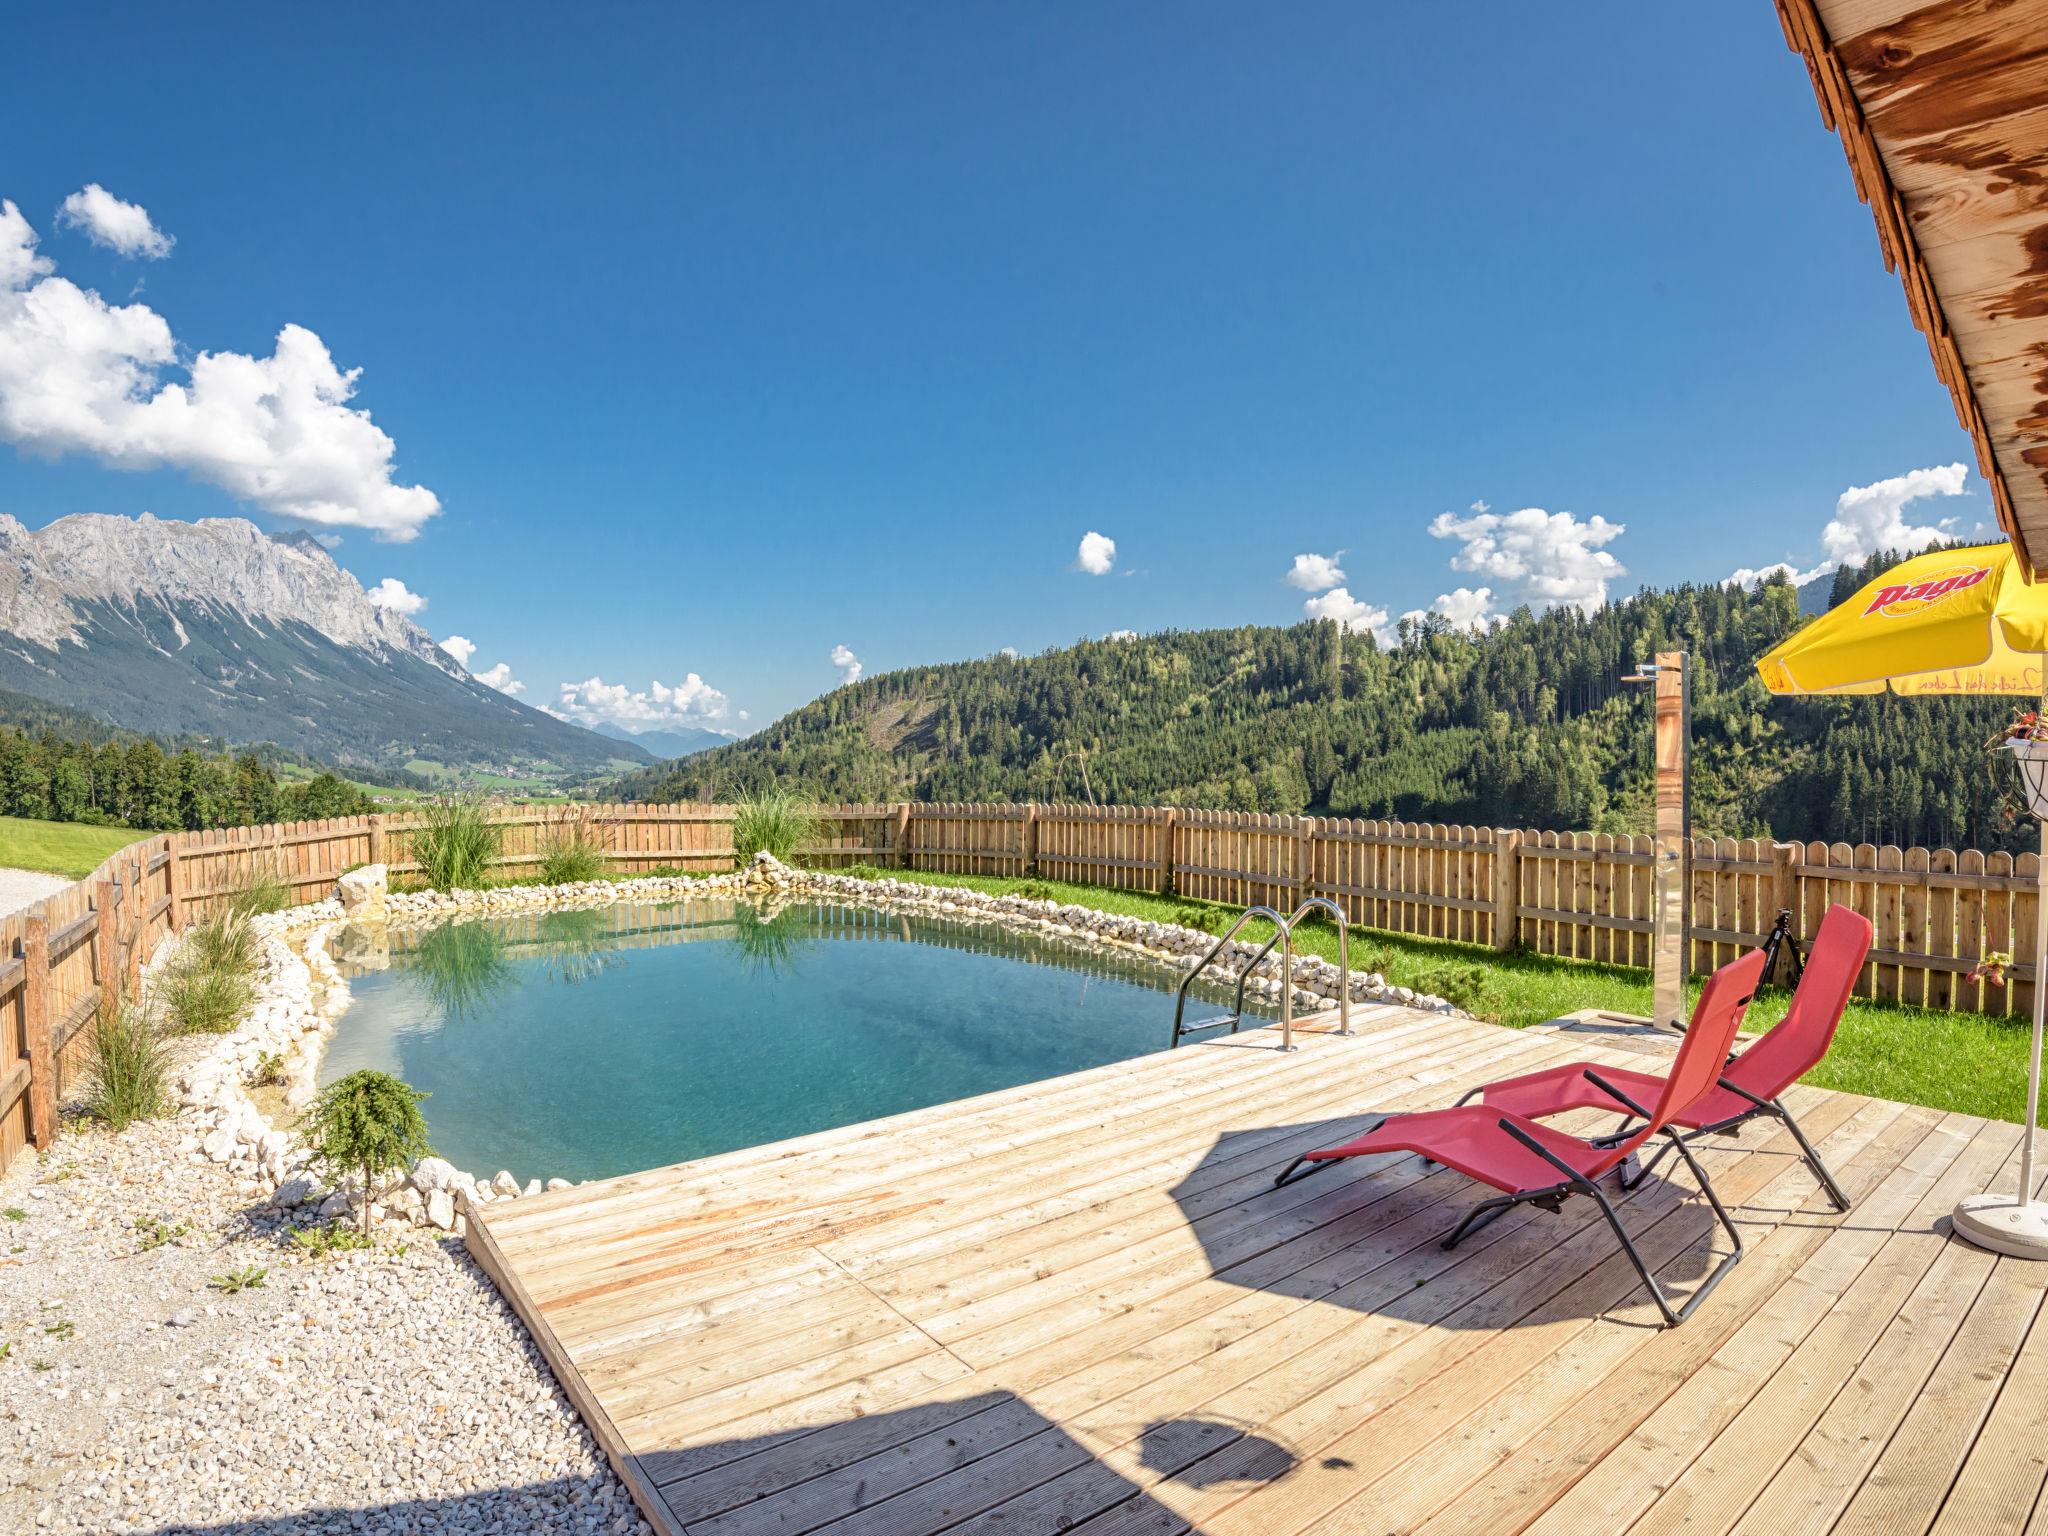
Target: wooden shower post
x,y
1671,700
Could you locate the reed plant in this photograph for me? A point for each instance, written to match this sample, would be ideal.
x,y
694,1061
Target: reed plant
x,y
461,967
130,1066
266,891
455,843
206,999
222,941
572,851
773,822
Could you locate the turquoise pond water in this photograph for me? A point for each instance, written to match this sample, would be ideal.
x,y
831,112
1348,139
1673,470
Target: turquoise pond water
x,y
580,1045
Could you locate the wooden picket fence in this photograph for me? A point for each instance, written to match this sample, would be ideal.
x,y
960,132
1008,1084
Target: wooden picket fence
x,y
1583,895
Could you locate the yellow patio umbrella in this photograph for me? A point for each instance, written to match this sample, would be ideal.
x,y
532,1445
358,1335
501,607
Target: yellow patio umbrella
x,y
1960,622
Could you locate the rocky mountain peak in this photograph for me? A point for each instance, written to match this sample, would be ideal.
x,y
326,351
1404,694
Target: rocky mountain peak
x,y
226,564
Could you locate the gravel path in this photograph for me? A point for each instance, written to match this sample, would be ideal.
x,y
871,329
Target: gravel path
x,y
379,1392
19,887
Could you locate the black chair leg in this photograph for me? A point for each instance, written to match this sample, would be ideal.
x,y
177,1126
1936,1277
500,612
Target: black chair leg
x,y
1643,1169
1478,1217
1316,1166
1820,1169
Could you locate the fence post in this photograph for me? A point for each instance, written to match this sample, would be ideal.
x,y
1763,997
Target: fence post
x,y
173,884
106,940
1304,856
138,921
35,1021
1169,819
903,834
1031,838
1785,859
1507,887
376,837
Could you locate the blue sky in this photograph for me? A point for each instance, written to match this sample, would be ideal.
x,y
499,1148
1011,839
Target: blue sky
x,y
725,337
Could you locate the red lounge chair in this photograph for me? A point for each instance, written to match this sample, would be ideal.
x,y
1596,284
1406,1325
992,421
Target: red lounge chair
x,y
1530,1162
1749,1084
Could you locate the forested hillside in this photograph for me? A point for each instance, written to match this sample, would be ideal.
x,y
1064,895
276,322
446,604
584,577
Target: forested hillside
x,y
134,782
1528,726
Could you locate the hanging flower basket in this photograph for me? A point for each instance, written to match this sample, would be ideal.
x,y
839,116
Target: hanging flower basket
x,y
2031,753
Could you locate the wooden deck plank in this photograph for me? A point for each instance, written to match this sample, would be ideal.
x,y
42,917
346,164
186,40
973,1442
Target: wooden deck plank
x,y
1082,1305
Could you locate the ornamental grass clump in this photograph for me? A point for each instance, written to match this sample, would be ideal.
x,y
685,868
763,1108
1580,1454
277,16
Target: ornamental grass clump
x,y
206,999
572,851
456,844
368,1123
129,1066
265,892
772,822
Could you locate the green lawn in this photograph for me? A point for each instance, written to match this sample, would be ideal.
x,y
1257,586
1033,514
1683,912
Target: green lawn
x,y
1950,1061
60,847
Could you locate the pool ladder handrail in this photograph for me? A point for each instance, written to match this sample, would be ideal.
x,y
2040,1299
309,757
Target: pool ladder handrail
x,y
1283,934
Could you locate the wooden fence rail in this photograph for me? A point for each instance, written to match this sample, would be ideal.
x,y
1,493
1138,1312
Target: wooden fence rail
x,y
1584,895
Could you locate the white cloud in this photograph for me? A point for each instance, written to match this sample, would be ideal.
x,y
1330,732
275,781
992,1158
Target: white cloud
x,y
1749,576
593,701
1869,518
847,663
1096,554
394,594
460,649
1008,653
19,263
1315,573
1544,559
119,226
1466,607
1351,613
1121,635
80,375
500,677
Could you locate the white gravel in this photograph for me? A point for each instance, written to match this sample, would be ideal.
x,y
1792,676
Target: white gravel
x,y
21,887
371,1392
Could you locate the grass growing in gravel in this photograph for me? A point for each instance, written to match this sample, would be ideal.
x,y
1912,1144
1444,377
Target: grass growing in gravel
x,y
206,999
129,1067
1949,1061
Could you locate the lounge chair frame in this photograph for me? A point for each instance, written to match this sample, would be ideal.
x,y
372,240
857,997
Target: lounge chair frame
x,y
1552,1197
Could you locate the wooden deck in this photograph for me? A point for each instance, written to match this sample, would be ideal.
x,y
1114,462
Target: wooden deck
x,y
1080,1306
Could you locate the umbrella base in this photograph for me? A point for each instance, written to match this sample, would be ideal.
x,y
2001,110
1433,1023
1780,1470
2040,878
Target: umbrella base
x,y
2004,1225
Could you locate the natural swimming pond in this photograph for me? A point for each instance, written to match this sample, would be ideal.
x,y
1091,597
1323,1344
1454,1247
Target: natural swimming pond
x,y
584,1044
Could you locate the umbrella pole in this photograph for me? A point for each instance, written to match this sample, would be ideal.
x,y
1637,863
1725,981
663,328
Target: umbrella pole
x,y
2018,1224
2026,1192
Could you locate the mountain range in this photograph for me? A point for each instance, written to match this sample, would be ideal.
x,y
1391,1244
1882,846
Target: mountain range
x,y
219,628
667,742
1529,724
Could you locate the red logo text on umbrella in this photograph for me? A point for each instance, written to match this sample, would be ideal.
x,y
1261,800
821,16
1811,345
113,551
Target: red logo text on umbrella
x,y
1916,597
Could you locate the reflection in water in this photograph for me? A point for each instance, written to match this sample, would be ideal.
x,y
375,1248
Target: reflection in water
x,y
574,946
582,1044
461,967
770,941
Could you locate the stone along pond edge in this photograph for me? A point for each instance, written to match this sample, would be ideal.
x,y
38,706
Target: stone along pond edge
x,y
300,993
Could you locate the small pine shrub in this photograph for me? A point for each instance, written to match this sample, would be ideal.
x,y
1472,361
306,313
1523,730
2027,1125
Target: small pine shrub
x,y
206,999
129,1067
367,1123
456,844
772,822
571,852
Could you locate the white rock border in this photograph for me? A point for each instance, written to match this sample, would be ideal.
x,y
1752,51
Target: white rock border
x,y
300,993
